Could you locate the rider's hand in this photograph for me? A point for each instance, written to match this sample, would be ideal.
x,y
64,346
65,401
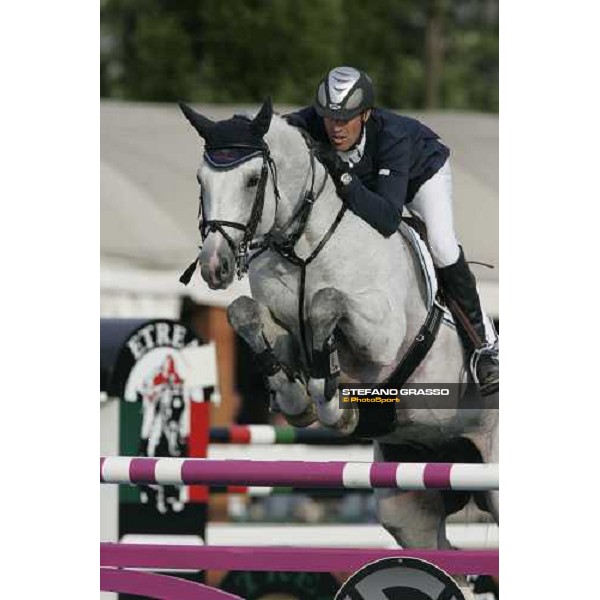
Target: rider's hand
x,y
330,159
336,167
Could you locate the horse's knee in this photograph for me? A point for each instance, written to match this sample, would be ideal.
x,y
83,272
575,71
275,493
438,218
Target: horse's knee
x,y
244,316
243,312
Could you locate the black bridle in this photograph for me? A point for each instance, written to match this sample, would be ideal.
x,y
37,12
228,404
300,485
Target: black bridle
x,y
242,250
249,247
283,241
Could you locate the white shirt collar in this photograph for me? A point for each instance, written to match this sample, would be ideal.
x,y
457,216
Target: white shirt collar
x,y
353,156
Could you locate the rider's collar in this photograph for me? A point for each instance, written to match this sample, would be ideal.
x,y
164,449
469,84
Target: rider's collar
x,y
355,154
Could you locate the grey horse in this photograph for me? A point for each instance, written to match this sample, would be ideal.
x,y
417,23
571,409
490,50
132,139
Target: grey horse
x,y
332,301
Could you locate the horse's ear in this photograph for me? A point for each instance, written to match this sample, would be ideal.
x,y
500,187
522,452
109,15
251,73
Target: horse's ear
x,y
199,123
262,120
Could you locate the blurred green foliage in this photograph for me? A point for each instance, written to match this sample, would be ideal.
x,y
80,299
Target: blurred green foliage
x,y
239,51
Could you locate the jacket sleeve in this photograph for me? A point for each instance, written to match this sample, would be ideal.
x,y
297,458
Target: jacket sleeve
x,y
302,118
382,209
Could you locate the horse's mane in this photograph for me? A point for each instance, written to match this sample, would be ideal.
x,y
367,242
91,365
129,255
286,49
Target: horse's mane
x,y
279,136
279,124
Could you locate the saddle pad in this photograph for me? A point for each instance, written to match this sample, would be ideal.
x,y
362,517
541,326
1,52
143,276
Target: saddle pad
x,y
425,261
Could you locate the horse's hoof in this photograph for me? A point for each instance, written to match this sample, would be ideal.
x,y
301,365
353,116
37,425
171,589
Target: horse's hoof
x,y
303,419
347,424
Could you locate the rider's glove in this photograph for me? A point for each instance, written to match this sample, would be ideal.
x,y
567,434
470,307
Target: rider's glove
x,y
336,167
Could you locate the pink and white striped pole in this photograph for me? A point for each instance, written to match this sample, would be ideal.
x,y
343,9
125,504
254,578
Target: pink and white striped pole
x,y
404,476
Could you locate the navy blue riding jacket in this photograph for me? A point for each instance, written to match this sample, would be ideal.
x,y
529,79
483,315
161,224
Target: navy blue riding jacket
x,y
400,155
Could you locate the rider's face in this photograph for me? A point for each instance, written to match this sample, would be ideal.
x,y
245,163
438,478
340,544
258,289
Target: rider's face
x,y
344,134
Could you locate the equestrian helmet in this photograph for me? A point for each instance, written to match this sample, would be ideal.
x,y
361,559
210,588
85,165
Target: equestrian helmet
x,y
344,93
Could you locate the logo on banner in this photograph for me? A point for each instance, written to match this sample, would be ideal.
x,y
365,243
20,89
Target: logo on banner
x,y
164,431
400,579
167,370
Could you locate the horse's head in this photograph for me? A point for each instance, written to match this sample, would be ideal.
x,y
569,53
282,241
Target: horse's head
x,y
238,191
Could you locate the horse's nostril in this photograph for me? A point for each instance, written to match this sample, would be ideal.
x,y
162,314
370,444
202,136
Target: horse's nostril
x,y
225,266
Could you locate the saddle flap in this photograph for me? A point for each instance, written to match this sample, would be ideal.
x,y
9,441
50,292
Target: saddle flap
x,y
413,230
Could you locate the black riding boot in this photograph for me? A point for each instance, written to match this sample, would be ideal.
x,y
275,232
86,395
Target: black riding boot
x,y
461,296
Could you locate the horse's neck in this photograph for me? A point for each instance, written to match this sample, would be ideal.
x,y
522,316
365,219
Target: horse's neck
x,y
296,179
323,213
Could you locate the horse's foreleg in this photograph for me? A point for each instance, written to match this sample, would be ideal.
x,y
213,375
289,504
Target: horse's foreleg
x,y
270,345
328,306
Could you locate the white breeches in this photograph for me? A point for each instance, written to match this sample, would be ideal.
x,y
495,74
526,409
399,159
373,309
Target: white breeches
x,y
433,203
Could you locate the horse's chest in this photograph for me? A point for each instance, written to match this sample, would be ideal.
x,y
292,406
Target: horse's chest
x,y
280,292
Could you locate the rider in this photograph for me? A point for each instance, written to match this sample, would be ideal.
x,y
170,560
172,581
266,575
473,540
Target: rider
x,y
380,161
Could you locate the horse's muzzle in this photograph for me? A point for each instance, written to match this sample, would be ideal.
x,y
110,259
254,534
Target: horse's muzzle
x,y
217,263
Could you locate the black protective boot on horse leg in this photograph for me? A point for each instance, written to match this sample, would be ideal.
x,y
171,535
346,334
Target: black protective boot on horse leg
x,y
244,316
327,308
461,297
326,365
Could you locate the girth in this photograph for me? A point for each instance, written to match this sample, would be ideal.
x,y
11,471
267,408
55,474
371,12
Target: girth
x,y
382,420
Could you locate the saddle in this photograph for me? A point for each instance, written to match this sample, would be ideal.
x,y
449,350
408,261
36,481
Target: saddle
x,y
374,423
414,230
371,423
415,222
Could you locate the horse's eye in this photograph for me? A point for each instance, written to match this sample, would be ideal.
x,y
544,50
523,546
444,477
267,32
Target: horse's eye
x,y
252,181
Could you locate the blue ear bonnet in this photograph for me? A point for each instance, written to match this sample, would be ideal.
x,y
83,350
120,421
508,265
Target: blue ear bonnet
x,y
225,158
